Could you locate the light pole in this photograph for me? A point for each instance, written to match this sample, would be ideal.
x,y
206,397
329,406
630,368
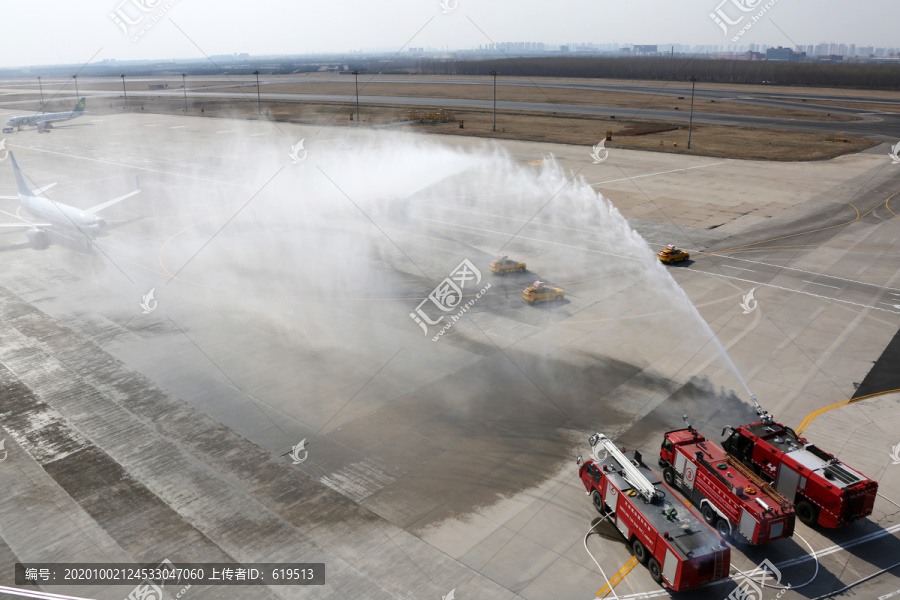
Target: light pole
x,y
124,91
75,77
494,73
356,74
258,101
693,81
184,88
40,85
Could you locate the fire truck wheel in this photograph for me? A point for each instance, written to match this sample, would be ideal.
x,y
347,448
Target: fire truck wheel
x,y
709,515
598,503
722,528
655,572
669,476
640,553
807,513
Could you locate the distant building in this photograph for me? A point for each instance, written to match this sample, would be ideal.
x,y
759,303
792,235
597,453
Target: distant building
x,y
786,54
644,49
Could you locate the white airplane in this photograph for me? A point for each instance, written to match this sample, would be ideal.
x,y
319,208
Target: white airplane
x,y
60,221
44,122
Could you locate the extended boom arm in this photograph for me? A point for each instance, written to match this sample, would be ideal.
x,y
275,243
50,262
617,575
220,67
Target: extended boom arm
x,y
630,472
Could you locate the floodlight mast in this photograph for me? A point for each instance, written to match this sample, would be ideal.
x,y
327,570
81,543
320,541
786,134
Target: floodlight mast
x,y
630,472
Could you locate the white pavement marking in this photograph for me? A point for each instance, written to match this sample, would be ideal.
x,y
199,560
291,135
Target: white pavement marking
x,y
778,287
226,131
17,217
118,164
178,127
256,134
759,262
889,304
659,173
522,237
477,212
739,268
154,125
819,553
38,594
822,284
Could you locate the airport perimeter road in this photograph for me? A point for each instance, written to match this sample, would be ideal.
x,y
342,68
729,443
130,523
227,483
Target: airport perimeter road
x,y
277,401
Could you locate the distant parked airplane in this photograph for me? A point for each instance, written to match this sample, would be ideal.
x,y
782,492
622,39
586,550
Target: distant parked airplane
x,y
44,122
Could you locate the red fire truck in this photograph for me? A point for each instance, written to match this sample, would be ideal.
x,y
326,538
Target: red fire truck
x,y
680,550
824,490
730,497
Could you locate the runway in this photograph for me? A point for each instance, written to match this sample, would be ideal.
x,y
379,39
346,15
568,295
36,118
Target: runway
x,y
288,287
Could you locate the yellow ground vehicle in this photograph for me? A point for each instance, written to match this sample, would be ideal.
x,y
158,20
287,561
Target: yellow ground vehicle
x,y
502,264
672,254
541,292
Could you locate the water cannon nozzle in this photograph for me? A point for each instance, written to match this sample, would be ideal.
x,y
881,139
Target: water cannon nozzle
x,y
763,414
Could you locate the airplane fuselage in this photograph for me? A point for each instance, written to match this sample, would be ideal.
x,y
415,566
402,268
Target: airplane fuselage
x,y
35,120
45,121
65,216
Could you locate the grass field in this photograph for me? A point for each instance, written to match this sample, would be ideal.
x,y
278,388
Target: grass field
x,y
628,129
636,134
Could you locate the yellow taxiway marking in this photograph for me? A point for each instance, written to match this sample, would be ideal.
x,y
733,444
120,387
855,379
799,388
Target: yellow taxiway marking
x,y
858,217
814,414
15,216
618,577
889,208
537,162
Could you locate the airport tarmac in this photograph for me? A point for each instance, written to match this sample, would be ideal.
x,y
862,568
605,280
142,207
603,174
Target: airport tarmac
x,y
287,281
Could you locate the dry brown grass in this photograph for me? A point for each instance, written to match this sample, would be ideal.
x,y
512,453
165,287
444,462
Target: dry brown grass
x,y
631,104
861,106
707,140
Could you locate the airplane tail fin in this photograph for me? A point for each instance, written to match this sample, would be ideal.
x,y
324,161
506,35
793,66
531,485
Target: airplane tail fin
x,y
79,108
20,179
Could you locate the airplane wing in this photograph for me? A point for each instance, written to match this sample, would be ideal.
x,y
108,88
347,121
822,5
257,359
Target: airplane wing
x,y
109,203
42,189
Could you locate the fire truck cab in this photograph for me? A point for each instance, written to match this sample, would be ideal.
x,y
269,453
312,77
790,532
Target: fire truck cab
x,y
740,505
680,551
823,489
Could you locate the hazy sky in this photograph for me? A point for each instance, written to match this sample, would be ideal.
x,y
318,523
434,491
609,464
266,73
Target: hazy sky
x,y
53,31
